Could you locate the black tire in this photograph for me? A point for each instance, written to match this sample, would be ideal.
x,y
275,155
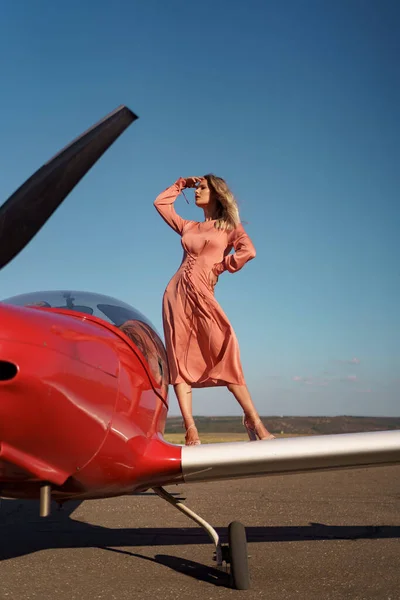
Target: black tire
x,y
238,556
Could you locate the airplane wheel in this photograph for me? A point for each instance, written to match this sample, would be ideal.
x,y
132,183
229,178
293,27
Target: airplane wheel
x,y
238,556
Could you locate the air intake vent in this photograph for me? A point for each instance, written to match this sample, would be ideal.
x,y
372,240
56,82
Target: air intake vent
x,y
7,370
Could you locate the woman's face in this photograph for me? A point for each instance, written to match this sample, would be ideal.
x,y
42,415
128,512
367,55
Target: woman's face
x,y
202,194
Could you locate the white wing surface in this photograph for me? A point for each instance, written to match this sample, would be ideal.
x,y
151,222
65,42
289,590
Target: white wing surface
x,y
213,462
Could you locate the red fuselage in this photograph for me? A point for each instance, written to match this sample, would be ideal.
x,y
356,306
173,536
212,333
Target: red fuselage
x,y
81,411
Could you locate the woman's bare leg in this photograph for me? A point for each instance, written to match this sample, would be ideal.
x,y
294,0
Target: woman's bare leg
x,y
183,393
242,395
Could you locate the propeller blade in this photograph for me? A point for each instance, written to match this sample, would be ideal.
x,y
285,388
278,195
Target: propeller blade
x,y
28,209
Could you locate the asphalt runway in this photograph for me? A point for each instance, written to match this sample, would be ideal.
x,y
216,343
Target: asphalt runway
x,y
316,536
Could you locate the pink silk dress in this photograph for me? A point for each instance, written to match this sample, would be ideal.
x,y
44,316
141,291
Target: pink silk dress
x,y
201,344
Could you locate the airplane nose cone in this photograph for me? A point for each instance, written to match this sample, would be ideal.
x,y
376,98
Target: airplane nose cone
x,y
56,402
28,325
73,336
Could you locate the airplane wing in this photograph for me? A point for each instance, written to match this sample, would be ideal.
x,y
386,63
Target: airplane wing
x,y
28,209
213,462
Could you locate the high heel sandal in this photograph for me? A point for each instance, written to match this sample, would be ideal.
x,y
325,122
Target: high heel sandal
x,y
252,431
195,442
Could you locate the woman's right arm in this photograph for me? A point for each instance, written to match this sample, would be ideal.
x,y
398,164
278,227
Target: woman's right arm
x,y
164,204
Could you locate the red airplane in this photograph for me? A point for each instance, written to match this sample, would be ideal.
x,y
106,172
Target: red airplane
x,y
84,386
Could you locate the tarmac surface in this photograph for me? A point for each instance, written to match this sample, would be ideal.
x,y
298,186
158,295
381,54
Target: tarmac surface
x,y
318,536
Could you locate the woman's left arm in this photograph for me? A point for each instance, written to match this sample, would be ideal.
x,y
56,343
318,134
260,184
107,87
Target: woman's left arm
x,y
244,251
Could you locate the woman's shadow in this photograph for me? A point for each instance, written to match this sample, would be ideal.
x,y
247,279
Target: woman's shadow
x,y
24,532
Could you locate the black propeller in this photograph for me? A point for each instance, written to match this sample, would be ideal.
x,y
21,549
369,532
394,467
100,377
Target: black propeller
x,y
28,209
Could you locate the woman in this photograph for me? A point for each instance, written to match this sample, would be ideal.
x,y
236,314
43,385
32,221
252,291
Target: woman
x,y
201,345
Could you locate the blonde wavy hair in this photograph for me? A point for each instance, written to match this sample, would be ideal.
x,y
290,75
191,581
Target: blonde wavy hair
x,y
226,210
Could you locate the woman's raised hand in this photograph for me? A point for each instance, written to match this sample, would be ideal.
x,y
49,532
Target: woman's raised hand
x,y
191,182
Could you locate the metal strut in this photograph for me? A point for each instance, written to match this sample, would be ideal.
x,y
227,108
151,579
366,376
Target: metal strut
x,y
45,499
192,515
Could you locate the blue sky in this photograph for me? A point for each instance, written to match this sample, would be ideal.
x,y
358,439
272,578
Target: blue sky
x,y
296,104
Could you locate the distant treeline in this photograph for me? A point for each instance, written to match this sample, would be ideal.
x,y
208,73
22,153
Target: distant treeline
x,y
291,425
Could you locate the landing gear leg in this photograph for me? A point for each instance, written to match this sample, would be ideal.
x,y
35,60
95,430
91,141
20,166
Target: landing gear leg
x,y
192,515
235,554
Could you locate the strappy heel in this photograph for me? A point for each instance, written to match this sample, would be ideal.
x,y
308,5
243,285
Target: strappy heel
x,y
196,442
252,431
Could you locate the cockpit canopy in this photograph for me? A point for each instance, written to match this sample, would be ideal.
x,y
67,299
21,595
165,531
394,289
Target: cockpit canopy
x,y
104,307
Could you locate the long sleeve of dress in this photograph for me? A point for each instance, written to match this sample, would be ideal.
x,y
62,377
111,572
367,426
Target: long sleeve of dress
x,y
244,251
164,204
